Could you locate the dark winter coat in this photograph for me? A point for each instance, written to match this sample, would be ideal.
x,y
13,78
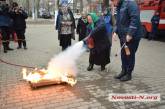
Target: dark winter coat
x,y
58,23
100,54
128,20
19,20
155,22
5,19
81,29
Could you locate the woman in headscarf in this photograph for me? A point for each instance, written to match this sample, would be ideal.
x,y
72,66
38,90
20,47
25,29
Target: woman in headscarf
x,y
98,41
65,25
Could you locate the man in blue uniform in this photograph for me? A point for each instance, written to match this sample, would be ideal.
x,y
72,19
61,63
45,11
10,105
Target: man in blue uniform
x,y
128,28
5,25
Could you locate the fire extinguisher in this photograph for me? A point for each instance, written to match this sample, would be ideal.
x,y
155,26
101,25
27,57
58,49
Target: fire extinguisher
x,y
127,51
89,42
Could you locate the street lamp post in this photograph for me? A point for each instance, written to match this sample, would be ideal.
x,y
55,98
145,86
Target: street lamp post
x,y
49,6
33,9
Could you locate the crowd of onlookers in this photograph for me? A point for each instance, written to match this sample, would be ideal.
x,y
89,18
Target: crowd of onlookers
x,y
12,26
97,32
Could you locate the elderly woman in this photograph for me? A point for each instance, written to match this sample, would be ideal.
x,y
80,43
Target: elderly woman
x,y
65,25
98,35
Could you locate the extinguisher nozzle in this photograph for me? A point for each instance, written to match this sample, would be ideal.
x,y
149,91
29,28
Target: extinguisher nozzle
x,y
85,44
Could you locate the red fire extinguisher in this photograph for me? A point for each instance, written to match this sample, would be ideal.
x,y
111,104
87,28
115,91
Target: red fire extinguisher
x,y
127,51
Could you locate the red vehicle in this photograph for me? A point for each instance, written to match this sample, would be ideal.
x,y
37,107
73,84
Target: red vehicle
x,y
148,8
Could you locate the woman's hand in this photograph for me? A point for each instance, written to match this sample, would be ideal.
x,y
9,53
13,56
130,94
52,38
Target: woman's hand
x,y
114,36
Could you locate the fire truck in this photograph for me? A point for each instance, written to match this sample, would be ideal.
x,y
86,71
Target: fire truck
x,y
148,8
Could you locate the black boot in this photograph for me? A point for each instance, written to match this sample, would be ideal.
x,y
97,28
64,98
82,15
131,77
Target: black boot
x,y
19,44
5,47
8,48
11,49
90,67
119,76
64,48
127,77
24,44
102,67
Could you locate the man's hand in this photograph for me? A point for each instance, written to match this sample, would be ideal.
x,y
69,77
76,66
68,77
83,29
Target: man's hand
x,y
114,36
128,38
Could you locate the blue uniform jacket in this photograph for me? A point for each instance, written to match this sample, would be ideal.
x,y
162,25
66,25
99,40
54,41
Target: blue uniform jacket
x,y
128,20
5,20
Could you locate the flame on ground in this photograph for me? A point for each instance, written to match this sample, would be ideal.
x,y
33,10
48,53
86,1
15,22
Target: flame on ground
x,y
37,76
61,68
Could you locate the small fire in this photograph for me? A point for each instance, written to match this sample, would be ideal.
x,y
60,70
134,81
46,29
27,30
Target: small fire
x,y
42,75
61,68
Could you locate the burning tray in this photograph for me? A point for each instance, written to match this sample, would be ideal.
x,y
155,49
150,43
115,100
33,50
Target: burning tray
x,y
38,78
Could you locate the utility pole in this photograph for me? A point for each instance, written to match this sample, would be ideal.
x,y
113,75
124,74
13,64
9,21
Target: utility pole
x,y
33,10
74,5
27,6
81,5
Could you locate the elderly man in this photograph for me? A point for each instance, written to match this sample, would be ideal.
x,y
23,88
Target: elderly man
x,y
128,29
